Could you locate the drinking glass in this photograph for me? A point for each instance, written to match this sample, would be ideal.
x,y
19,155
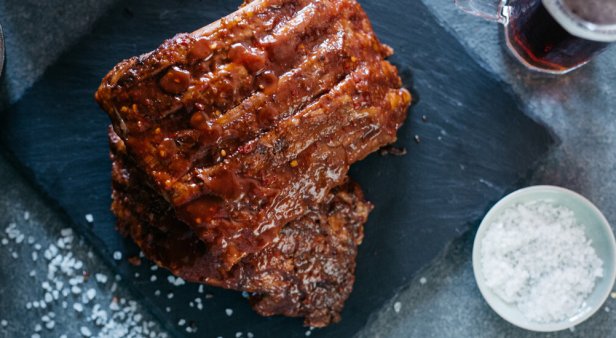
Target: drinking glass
x,y
551,36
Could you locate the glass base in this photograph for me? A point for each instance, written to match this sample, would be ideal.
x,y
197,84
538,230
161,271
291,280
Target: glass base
x,y
511,47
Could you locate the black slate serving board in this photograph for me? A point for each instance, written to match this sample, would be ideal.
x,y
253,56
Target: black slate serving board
x,y
475,144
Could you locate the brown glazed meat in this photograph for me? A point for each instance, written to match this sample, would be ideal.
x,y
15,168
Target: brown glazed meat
x,y
240,136
308,272
245,124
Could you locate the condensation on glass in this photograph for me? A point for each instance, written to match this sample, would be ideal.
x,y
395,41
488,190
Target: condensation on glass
x,y
552,36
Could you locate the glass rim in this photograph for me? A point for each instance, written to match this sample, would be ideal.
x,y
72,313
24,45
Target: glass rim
x,y
579,26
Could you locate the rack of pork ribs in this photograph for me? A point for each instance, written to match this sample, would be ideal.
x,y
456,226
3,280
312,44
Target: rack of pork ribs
x,y
231,147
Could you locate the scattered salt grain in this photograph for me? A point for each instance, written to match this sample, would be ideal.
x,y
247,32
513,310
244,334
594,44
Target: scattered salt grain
x,y
4,323
101,278
153,278
537,256
117,255
200,289
397,306
423,280
182,322
229,312
91,293
238,334
176,281
250,335
85,331
89,218
78,307
26,215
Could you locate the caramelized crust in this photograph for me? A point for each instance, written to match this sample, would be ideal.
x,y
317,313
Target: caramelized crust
x,y
308,272
246,124
231,146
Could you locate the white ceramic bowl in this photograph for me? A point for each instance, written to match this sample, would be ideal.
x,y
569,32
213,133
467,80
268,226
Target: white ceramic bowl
x,y
597,229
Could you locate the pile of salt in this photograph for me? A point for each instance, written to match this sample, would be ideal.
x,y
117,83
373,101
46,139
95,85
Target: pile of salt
x,y
537,256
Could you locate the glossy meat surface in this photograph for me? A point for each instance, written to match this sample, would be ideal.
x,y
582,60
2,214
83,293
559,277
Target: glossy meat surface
x,y
308,272
247,124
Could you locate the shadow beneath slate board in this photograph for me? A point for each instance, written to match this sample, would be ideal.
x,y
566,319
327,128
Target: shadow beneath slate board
x,y
474,144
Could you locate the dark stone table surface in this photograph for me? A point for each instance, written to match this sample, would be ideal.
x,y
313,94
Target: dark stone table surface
x,y
442,301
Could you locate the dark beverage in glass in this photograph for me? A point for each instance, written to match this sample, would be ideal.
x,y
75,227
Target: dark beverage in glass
x,y
543,42
553,36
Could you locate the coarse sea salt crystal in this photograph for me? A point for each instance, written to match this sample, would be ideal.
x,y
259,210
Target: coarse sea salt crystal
x,y
85,331
91,293
537,256
117,255
397,307
101,278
